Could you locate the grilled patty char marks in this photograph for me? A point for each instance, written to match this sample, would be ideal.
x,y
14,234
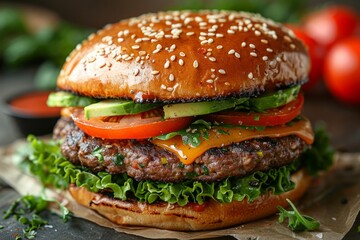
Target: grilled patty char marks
x,y
143,160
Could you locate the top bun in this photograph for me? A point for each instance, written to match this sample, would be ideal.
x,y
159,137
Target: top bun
x,y
186,56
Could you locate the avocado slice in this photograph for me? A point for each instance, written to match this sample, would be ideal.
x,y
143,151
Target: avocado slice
x,y
274,100
65,99
259,104
199,108
117,107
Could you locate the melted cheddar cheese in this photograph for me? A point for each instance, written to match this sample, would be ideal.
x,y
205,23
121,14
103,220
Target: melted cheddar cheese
x,y
187,154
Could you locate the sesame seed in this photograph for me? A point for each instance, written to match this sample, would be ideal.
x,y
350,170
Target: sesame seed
x,y
181,62
250,75
182,54
212,59
264,41
156,51
287,38
278,59
210,40
227,83
163,86
219,35
135,46
138,40
232,51
173,58
292,46
210,81
167,64
195,64
251,45
102,63
222,71
172,47
243,44
136,71
237,55
155,72
269,50
171,77
212,70
202,24
190,33
142,53
257,33
204,42
253,54
159,46
265,58
219,46
202,38
169,89
120,40
230,31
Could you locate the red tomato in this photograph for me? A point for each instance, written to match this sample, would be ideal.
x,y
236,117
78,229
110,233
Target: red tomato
x,y
316,53
332,24
342,70
271,117
139,126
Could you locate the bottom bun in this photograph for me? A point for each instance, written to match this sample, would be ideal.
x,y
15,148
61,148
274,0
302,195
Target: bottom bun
x,y
192,217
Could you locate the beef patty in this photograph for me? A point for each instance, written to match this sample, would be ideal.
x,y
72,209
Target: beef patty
x,y
143,160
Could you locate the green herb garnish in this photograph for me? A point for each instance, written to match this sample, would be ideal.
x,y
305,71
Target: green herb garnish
x,y
32,205
97,152
297,221
119,159
321,155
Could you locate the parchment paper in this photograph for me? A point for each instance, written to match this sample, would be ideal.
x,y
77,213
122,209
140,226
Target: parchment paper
x,y
333,199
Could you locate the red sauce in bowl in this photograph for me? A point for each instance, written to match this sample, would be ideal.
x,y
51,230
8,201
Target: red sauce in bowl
x,y
34,104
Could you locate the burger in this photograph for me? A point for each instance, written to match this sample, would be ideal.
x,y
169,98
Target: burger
x,y
181,120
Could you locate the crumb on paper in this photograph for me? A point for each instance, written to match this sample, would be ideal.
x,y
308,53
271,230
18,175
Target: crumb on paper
x,y
319,235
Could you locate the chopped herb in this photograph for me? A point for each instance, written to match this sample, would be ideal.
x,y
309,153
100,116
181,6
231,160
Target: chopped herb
x,y
32,205
181,165
98,153
1,227
297,221
205,169
358,229
256,117
191,175
141,165
118,159
259,128
221,131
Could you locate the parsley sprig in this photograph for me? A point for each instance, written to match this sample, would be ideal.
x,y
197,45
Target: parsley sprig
x,y
30,205
297,221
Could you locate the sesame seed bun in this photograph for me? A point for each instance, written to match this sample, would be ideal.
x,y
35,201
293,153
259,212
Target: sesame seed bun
x,y
214,215
186,56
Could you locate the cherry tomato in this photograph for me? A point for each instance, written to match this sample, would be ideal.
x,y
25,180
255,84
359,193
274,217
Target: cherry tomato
x,y
316,53
139,126
332,24
342,70
271,117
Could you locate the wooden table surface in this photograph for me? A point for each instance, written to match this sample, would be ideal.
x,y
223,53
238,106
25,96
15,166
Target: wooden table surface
x,y
342,122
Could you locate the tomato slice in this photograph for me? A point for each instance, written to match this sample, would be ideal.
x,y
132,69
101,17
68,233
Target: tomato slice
x,y
271,117
138,126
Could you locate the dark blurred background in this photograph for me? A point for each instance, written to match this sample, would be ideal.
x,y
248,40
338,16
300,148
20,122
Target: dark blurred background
x,y
95,14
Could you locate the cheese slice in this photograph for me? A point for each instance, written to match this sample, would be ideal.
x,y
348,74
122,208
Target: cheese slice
x,y
187,154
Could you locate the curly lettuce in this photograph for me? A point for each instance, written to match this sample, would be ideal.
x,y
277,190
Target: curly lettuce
x,y
46,162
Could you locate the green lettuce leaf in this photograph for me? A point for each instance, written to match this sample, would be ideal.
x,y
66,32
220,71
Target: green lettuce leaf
x,y
46,162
